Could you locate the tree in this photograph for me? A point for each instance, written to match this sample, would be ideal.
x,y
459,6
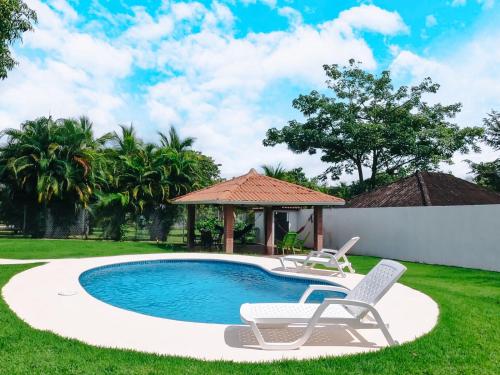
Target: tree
x,y
52,169
142,178
295,176
274,171
48,168
174,141
492,125
133,182
368,123
15,19
208,171
487,174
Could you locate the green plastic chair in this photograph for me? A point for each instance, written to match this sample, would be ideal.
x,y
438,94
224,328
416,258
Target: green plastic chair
x,y
287,243
300,243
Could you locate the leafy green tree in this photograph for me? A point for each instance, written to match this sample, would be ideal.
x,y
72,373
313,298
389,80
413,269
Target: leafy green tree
x,y
142,179
15,19
53,169
369,124
487,174
492,125
184,174
131,178
208,171
174,141
275,171
295,176
47,167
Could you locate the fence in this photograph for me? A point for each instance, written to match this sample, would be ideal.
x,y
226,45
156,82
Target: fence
x,y
83,226
465,236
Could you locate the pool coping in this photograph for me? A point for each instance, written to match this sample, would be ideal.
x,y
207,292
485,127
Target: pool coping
x,y
50,297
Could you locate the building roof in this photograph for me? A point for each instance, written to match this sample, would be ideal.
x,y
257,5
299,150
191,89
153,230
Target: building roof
x,y
426,189
254,189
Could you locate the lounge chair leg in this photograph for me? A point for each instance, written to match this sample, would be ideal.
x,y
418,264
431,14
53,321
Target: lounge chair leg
x,y
337,265
349,266
387,335
383,328
279,345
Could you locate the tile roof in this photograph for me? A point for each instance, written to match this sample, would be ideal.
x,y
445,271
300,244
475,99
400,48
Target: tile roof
x,y
426,189
256,189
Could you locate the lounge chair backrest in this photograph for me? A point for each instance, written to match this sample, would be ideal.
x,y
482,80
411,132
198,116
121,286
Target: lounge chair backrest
x,y
347,246
375,284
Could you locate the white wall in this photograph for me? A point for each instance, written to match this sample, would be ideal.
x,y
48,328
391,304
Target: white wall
x,y
466,236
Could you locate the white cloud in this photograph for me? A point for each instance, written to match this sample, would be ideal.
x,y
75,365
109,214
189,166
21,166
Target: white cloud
x,y
146,28
294,17
74,72
468,75
65,9
430,21
58,38
55,88
188,11
487,4
220,16
269,3
372,18
213,84
224,79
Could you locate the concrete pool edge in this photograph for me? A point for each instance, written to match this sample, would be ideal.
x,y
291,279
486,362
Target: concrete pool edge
x,y
34,296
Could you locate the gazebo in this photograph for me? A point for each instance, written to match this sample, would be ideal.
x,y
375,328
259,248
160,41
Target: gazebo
x,y
256,190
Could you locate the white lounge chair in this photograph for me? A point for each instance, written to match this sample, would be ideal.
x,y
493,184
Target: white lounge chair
x,y
327,257
351,311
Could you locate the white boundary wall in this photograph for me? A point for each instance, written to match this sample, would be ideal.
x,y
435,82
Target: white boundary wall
x,y
465,236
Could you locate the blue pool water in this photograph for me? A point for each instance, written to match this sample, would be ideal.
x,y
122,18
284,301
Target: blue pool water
x,y
192,290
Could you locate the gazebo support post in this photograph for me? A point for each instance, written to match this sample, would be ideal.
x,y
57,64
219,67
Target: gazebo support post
x,y
318,227
229,228
191,217
269,230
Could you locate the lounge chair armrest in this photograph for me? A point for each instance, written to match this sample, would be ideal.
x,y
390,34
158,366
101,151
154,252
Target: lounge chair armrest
x,y
324,288
321,254
318,254
350,302
329,251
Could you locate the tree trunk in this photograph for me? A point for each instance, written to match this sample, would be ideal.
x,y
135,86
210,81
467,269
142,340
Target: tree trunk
x,y
374,168
359,166
24,220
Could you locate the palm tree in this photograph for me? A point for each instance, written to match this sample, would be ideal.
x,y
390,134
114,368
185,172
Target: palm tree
x,y
174,141
274,171
178,169
49,164
53,168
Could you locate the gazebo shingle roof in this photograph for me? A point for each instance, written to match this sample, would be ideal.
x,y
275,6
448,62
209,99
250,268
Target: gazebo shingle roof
x,y
256,189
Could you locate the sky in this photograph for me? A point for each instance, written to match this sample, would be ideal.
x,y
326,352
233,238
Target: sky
x,y
225,71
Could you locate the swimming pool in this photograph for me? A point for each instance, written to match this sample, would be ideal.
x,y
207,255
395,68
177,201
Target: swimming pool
x,y
206,291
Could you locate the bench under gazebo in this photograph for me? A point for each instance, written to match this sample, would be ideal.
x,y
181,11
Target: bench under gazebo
x,y
254,190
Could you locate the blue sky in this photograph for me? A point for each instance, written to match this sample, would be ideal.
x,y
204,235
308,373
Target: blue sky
x,y
225,71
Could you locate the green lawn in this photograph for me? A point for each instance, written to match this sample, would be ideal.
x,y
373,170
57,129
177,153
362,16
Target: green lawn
x,y
465,341
24,248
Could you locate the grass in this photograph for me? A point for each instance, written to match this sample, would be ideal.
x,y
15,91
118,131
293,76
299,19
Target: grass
x,y
465,341
25,248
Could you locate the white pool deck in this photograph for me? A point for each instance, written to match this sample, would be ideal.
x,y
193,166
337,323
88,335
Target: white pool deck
x,y
50,297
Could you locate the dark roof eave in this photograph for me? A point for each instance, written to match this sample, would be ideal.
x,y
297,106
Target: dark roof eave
x,y
262,203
